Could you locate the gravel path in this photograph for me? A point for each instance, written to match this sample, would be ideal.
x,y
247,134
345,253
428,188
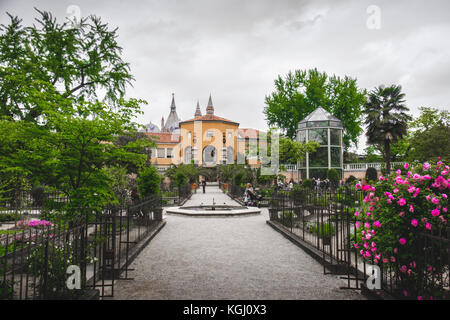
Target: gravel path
x,y
226,258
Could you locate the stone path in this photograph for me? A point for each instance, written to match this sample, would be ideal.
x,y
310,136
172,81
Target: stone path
x,y
226,258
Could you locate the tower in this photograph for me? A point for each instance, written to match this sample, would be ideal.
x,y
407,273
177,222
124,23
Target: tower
x,y
210,107
198,113
172,122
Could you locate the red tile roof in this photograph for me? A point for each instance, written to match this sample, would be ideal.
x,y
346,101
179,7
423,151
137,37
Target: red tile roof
x,y
248,133
164,137
209,117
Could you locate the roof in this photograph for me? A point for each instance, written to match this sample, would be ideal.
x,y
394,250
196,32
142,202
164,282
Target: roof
x,y
150,127
172,121
209,117
248,133
164,137
320,114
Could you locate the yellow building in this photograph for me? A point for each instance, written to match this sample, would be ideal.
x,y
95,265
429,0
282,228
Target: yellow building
x,y
206,140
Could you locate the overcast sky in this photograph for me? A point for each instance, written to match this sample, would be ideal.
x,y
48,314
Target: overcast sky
x,y
235,49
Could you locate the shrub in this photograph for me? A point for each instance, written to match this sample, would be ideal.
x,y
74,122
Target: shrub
x,y
351,180
398,214
149,182
180,179
326,229
307,184
333,176
371,174
299,194
237,179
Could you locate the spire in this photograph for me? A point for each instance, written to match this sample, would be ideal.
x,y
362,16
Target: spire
x,y
210,107
198,113
172,106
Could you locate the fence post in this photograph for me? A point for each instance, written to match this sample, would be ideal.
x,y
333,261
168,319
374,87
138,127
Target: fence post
x,y
45,276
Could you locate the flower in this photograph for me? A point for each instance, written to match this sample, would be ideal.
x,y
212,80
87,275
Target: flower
x,y
402,201
435,200
402,241
414,222
377,224
428,226
406,166
435,212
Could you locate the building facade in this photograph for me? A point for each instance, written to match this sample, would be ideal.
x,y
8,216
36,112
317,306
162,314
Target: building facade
x,y
205,140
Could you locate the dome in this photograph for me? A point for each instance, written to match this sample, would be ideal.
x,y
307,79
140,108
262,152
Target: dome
x,y
150,127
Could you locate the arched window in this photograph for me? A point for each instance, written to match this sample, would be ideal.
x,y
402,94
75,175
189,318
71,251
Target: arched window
x,y
210,155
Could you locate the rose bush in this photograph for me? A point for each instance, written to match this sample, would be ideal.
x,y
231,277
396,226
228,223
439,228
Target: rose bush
x,y
401,225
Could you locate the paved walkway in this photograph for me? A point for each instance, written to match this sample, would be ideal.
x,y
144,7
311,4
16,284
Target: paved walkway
x,y
226,258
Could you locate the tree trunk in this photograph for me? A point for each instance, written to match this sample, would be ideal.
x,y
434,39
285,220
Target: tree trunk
x,y
387,149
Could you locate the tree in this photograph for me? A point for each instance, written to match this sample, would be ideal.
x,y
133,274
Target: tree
x,y
430,137
191,172
371,175
149,181
386,118
52,65
291,151
300,92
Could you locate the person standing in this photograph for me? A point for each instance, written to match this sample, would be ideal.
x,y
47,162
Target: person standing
x,y
204,185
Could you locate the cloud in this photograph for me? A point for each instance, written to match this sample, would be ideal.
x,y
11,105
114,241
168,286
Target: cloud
x,y
235,49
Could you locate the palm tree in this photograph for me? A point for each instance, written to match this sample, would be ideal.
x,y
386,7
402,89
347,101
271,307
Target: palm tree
x,y
386,118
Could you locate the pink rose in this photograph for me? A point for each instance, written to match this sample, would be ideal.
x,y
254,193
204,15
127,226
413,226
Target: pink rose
x,y
414,222
436,212
402,201
402,241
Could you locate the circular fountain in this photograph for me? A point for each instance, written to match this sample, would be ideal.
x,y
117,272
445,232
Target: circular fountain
x,y
213,210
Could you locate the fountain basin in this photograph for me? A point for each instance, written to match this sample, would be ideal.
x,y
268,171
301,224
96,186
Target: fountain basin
x,y
213,210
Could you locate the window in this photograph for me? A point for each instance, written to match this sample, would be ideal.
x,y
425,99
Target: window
x,y
319,135
302,136
209,134
230,135
187,155
169,153
161,153
335,156
335,137
230,155
319,158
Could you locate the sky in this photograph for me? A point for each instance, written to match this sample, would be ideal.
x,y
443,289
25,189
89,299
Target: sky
x,y
235,49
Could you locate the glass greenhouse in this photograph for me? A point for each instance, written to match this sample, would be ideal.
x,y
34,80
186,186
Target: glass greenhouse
x,y
326,129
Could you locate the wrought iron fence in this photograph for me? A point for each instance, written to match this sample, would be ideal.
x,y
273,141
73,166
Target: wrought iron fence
x,y
324,221
173,195
35,255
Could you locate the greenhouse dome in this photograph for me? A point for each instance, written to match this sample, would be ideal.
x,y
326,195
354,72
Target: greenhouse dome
x,y
327,130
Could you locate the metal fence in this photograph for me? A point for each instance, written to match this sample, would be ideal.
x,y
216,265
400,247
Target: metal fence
x,y
173,196
324,221
35,255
